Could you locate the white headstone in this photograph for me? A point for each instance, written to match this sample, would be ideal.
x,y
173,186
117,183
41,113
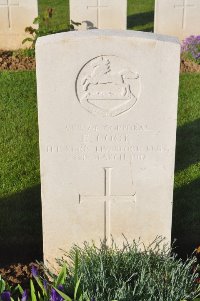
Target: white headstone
x,y
101,14
107,119
15,16
180,18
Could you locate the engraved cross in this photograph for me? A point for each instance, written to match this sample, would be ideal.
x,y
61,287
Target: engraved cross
x,y
183,6
107,199
98,8
8,4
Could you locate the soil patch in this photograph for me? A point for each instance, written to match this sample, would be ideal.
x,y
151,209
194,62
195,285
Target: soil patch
x,y
18,274
13,61
189,66
10,60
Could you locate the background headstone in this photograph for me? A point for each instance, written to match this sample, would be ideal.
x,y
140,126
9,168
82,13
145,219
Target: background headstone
x,y
101,14
15,16
180,18
107,119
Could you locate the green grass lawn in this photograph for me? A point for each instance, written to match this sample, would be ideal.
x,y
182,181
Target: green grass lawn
x,y
140,13
60,12
20,213
186,217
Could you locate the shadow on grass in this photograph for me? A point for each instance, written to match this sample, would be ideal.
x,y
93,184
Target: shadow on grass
x,y
21,227
188,145
186,218
186,209
141,19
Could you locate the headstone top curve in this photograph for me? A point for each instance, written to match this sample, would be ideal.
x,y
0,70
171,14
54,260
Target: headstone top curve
x,y
59,37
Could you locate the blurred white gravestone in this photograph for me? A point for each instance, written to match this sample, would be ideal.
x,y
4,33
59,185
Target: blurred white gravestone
x,y
15,16
180,18
101,14
107,120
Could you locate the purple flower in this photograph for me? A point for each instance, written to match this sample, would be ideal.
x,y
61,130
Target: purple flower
x,y
5,296
24,296
191,47
60,287
45,284
34,271
55,296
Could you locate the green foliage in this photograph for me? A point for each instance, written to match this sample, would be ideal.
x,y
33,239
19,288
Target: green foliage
x,y
6,290
37,32
130,274
33,294
44,27
2,285
61,277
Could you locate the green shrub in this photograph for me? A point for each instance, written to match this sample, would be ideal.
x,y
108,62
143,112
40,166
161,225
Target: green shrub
x,y
44,27
132,273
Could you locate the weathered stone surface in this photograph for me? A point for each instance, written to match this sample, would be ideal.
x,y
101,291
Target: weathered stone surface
x,y
15,16
107,119
180,18
101,14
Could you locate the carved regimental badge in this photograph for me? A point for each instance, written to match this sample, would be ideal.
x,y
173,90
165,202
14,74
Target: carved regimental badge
x,y
107,86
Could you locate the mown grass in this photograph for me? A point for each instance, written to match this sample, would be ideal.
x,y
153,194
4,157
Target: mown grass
x,y
19,139
20,204
20,208
60,8
140,14
186,217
